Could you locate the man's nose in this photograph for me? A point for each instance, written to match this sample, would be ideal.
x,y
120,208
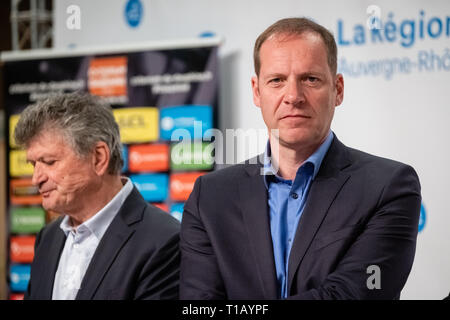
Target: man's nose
x,y
294,92
39,175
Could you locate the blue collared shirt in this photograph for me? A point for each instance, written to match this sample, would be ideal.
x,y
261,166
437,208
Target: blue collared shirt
x,y
287,200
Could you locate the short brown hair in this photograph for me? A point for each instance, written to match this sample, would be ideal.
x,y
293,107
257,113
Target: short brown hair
x,y
297,26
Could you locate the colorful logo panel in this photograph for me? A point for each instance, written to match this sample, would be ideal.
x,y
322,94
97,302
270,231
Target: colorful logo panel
x,y
19,276
153,187
176,210
149,157
27,219
22,249
181,185
16,296
18,165
192,156
125,158
190,121
137,125
12,125
108,76
23,192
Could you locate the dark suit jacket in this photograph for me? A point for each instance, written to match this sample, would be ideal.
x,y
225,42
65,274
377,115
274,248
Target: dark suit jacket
x,y
361,210
137,258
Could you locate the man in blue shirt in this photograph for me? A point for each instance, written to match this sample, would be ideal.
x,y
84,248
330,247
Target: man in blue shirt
x,y
315,219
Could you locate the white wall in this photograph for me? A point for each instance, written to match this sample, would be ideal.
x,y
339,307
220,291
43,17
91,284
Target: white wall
x,y
403,117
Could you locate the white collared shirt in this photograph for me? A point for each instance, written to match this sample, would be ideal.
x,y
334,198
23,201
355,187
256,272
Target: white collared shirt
x,y
81,243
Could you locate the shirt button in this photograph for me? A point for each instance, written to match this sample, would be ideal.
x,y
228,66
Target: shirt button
x,y
76,245
294,195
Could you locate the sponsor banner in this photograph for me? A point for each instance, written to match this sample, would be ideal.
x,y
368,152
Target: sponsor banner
x,y
190,121
27,219
108,76
176,210
23,192
181,185
125,158
137,125
192,156
19,277
18,165
149,157
153,186
136,87
12,125
22,249
161,206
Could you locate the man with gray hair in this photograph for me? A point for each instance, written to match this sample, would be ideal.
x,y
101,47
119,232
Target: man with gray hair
x,y
109,243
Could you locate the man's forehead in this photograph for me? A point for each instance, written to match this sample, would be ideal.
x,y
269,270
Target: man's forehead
x,y
312,46
48,133
308,36
47,141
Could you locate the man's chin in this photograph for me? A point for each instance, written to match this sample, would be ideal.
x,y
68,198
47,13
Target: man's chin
x,y
295,141
50,206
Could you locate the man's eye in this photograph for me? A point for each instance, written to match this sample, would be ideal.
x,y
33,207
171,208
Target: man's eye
x,y
275,80
312,79
49,162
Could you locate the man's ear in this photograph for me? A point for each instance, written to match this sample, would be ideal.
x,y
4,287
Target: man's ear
x,y
100,157
255,90
339,83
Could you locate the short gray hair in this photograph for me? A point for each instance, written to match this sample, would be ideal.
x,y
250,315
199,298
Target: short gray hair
x,y
81,117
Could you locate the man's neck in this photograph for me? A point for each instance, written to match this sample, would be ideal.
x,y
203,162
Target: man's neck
x,y
99,198
288,159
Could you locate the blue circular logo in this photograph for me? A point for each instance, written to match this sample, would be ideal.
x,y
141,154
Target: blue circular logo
x,y
422,218
133,13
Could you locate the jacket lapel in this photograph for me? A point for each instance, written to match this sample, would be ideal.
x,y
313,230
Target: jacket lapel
x,y
324,190
114,239
47,276
255,209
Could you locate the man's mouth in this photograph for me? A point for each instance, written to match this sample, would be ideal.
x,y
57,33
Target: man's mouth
x,y
293,116
46,193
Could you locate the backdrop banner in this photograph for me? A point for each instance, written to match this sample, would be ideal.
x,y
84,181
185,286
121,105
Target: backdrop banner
x,y
156,94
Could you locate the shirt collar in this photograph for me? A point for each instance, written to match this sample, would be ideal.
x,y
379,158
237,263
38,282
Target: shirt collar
x,y
315,159
100,221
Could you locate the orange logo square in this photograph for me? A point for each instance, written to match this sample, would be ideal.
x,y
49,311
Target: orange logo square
x,y
22,249
148,158
161,206
108,76
181,185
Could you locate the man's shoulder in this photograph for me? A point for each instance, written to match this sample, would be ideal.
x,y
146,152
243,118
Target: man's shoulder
x,y
154,222
378,170
362,159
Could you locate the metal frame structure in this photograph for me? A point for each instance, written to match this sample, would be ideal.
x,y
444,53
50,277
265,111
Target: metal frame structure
x,y
30,28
